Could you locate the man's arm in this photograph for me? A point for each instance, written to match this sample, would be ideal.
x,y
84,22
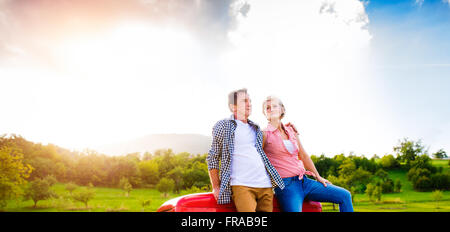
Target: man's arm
x,y
214,156
215,182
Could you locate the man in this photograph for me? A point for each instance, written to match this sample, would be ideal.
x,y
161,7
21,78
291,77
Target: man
x,y
238,167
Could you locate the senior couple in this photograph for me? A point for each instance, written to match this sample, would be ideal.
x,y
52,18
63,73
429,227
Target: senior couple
x,y
246,163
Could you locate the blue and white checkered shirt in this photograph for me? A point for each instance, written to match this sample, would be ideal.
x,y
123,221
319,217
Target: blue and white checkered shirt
x,y
219,156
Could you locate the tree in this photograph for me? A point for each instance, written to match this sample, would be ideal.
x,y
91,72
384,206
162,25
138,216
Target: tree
x,y
51,180
42,167
440,181
440,154
437,196
147,156
382,174
39,190
84,195
149,172
125,185
424,162
347,168
71,187
389,162
325,166
422,183
165,185
359,178
126,167
374,191
370,190
414,173
197,175
397,186
377,193
408,150
13,173
176,175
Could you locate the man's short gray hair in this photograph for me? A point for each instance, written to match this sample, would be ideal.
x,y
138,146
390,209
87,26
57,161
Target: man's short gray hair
x,y
232,96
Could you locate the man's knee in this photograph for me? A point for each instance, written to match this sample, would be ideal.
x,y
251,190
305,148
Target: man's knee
x,y
244,199
265,200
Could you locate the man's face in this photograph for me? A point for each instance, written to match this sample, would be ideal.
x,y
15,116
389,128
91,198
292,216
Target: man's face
x,y
243,106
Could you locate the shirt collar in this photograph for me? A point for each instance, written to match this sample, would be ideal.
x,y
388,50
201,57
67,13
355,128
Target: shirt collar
x,y
250,122
270,128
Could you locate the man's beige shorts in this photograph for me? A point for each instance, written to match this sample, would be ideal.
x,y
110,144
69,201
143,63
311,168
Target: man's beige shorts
x,y
248,199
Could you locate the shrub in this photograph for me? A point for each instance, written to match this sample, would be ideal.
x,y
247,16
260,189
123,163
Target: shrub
x,y
387,186
145,203
423,162
423,183
389,162
415,173
165,185
440,181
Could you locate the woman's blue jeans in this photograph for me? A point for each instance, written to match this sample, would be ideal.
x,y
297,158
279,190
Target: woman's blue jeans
x,y
291,197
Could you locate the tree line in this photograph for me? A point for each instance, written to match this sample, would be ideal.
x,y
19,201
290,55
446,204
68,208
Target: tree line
x,y
362,175
24,162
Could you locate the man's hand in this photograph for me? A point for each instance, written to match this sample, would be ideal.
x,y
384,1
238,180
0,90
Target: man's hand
x,y
292,126
215,182
216,193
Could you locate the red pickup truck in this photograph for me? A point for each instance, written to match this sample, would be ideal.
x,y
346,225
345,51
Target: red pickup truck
x,y
205,202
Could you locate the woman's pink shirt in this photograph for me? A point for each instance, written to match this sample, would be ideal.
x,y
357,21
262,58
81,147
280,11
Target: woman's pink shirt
x,y
287,164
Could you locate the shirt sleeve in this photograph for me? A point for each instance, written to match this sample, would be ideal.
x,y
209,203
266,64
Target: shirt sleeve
x,y
215,152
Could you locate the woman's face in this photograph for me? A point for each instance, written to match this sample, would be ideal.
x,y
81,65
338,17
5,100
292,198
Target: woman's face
x,y
273,110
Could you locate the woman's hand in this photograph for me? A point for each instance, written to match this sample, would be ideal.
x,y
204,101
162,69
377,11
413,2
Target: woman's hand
x,y
323,181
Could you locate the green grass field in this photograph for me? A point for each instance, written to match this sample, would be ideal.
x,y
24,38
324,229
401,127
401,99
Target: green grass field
x,y
114,200
406,201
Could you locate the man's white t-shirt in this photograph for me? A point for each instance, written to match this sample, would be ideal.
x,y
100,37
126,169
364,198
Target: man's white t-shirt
x,y
247,167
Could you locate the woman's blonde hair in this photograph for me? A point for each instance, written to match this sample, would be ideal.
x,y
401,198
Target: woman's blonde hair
x,y
273,98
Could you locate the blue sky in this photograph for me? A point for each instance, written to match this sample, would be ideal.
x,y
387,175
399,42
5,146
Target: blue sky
x,y
411,66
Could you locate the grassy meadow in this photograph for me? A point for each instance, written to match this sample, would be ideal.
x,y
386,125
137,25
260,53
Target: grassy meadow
x,y
115,200
406,201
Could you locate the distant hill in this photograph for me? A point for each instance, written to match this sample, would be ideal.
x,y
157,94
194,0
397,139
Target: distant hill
x,y
192,143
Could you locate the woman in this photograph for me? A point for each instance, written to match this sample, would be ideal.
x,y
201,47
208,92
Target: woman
x,y
284,150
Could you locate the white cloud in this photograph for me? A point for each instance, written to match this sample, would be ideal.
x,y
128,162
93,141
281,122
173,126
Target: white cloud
x,y
420,2
140,80
310,54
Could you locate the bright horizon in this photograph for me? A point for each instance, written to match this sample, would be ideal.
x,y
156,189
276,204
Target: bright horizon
x,y
355,76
